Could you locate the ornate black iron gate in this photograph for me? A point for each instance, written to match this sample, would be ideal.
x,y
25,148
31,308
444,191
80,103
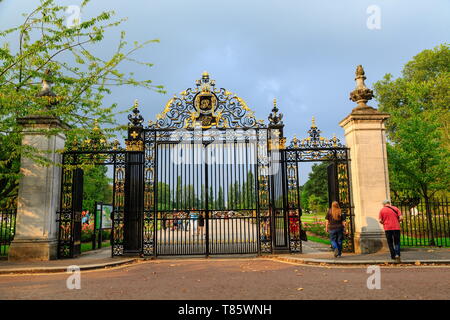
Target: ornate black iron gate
x,y
206,191
205,178
69,215
206,175
316,148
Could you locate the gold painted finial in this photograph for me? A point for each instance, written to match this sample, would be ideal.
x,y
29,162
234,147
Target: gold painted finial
x,y
313,123
274,102
205,74
136,103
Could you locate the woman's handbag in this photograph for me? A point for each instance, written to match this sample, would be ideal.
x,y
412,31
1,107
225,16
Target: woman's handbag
x,y
303,236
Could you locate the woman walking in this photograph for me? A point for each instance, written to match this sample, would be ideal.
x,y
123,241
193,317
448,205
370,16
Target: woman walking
x,y
335,226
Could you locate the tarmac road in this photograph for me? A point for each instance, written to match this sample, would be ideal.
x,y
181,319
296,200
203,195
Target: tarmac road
x,y
243,278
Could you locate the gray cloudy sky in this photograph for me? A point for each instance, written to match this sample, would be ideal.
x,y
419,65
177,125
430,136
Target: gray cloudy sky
x,y
304,53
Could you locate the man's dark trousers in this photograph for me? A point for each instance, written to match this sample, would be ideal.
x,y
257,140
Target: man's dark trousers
x,y
393,240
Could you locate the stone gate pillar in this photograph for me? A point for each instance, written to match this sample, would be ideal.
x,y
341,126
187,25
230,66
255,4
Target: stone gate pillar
x,y
39,192
365,136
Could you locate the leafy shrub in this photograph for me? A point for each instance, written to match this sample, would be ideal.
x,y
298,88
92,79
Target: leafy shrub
x,y
317,228
106,234
87,230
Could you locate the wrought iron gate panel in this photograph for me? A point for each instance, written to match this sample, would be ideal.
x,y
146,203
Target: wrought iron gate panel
x,y
65,214
150,177
231,176
318,149
278,193
292,203
68,219
117,216
180,198
263,194
344,195
68,216
213,173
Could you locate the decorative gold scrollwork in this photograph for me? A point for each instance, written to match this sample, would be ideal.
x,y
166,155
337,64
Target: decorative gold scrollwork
x,y
207,107
134,145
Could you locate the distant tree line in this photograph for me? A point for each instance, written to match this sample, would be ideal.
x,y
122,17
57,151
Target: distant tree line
x,y
237,195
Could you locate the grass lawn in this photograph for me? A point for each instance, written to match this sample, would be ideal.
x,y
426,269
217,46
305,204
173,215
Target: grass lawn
x,y
87,246
413,243
313,217
417,242
318,239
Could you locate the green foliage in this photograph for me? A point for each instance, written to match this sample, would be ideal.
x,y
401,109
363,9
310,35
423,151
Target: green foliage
x,y
418,160
220,203
211,198
185,197
164,197
189,198
418,129
64,56
248,191
314,193
315,204
316,227
9,172
97,187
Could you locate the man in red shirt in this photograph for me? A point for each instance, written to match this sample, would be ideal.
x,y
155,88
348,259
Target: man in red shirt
x,y
390,218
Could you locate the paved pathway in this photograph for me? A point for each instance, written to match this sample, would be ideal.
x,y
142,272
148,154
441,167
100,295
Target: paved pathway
x,y
312,253
255,278
87,260
321,253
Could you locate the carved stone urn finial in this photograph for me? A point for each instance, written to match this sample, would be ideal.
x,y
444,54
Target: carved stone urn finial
x,y
46,91
46,86
361,94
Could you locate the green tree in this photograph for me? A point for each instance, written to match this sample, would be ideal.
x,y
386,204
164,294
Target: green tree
x,y
74,80
9,175
220,199
315,203
164,199
237,196
316,185
418,129
190,196
429,71
231,197
211,199
96,187
248,192
178,199
202,197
